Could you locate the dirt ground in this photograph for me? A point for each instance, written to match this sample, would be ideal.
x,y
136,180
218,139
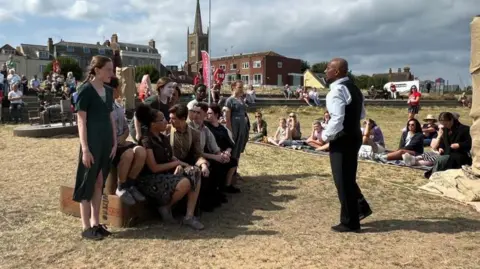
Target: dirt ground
x,y
281,219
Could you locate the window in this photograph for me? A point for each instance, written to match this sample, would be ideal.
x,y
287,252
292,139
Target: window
x,y
192,49
43,54
101,51
42,68
257,64
246,65
279,64
257,79
70,49
245,79
233,66
222,66
86,50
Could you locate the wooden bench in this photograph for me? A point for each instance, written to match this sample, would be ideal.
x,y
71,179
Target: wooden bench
x,y
113,212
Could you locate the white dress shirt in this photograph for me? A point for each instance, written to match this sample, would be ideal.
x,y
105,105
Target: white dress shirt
x,y
337,99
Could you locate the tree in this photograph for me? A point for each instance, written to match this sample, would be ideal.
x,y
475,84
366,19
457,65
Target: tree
x,y
319,67
305,66
377,81
362,81
67,64
150,70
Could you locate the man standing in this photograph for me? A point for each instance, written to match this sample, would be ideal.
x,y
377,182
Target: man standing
x,y
345,104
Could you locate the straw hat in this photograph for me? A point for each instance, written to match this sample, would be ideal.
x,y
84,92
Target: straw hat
x,y
430,117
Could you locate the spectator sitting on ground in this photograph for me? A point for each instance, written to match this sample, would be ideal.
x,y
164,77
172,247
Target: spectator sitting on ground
x,y
411,142
259,128
283,135
294,126
314,140
326,119
429,130
373,136
250,96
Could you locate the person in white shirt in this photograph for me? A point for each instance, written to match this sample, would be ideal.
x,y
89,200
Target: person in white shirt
x,y
12,77
16,103
345,103
313,95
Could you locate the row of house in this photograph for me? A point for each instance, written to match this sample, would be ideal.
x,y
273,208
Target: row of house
x,y
32,59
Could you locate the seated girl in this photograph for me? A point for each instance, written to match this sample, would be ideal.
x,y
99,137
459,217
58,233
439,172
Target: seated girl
x,y
373,136
429,130
326,119
411,142
315,140
283,135
259,128
294,126
166,180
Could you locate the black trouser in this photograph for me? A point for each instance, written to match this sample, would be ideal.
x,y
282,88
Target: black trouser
x,y
344,162
16,110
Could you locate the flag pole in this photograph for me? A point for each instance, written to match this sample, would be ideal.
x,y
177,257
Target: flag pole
x,y
210,50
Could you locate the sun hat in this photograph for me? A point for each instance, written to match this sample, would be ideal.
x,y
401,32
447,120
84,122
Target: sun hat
x,y
430,117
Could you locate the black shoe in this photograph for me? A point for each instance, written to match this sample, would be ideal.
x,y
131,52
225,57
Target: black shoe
x,y
92,234
231,189
102,229
223,199
365,214
342,228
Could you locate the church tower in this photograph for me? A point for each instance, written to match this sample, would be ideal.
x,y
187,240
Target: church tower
x,y
196,42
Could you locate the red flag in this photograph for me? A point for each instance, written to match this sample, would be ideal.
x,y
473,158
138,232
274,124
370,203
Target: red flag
x,y
206,68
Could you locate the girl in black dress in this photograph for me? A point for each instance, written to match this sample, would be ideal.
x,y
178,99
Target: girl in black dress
x,y
166,180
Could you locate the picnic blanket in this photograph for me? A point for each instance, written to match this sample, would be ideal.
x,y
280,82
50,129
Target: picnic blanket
x,y
301,146
458,184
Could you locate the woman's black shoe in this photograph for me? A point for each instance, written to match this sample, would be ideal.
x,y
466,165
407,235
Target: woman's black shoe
x,y
92,234
102,229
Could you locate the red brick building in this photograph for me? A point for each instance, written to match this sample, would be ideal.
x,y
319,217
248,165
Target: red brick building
x,y
263,68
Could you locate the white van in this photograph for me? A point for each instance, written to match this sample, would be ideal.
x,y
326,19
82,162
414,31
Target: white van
x,y
402,87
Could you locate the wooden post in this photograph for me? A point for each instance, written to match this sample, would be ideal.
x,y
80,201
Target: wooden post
x,y
475,110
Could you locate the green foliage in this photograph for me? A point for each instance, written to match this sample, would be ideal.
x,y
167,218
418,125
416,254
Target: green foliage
x,y
319,67
151,70
377,81
362,81
305,66
67,64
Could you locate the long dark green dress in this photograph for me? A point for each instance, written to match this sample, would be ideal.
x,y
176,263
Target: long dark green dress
x,y
99,138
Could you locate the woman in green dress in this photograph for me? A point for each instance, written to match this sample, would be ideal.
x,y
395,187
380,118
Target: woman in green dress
x,y
97,132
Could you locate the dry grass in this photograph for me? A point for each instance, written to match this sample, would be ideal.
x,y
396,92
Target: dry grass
x,y
280,220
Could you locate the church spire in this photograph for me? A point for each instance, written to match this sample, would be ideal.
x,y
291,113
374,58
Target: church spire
x,y
197,29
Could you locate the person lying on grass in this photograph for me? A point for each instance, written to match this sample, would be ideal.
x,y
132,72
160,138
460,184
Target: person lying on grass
x,y
283,135
314,140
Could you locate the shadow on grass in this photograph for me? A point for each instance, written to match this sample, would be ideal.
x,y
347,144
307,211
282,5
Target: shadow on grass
x,y
442,225
238,217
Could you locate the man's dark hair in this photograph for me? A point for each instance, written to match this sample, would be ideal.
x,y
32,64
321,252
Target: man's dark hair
x,y
180,111
217,111
203,106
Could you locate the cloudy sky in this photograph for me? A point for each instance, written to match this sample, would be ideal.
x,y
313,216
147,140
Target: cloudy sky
x,y
431,36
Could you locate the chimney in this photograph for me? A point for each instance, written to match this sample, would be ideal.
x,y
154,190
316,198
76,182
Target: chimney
x,y
114,38
50,45
399,70
390,70
151,43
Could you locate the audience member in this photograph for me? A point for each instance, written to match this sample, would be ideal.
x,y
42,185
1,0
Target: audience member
x,y
411,142
259,127
373,136
429,129
166,179
315,139
294,126
283,135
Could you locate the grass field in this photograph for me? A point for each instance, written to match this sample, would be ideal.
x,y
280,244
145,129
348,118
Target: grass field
x,y
281,219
